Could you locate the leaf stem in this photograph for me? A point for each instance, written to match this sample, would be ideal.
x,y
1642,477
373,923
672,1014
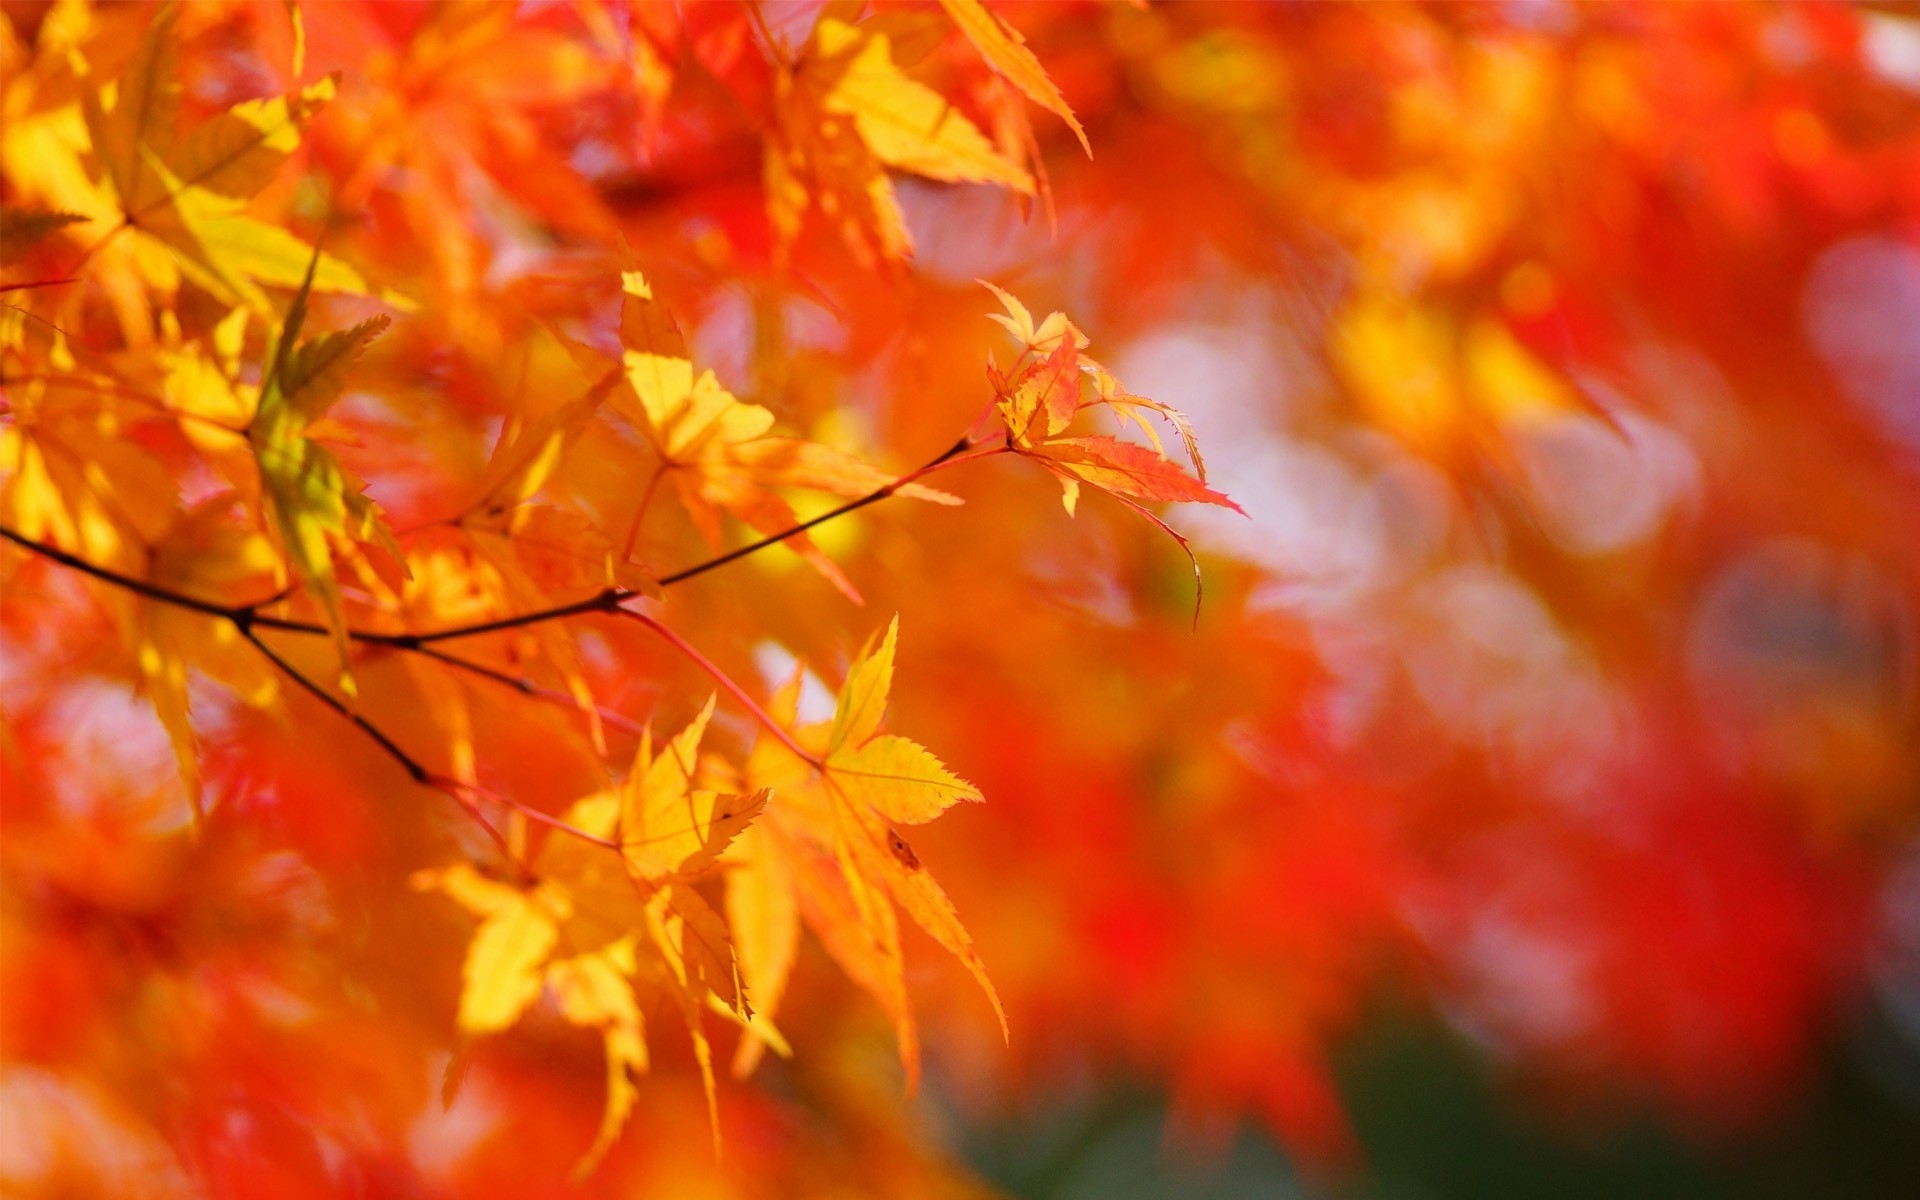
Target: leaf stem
x,y
640,513
724,680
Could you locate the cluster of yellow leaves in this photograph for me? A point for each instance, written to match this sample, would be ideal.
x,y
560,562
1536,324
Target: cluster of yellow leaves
x,y
110,153
813,832
617,920
614,908
521,552
830,848
73,477
845,113
261,438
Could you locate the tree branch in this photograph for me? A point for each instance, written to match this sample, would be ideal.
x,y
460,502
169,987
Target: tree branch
x,y
608,600
453,788
248,619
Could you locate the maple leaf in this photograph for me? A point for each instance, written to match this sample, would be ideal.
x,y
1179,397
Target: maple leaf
x,y
594,992
72,476
1002,46
548,549
541,553
718,450
848,800
763,914
1047,388
611,908
668,829
670,833
188,193
845,113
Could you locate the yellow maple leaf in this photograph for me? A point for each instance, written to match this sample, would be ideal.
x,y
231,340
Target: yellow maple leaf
x,y
720,452
1002,46
668,828
69,473
763,915
845,113
595,991
540,554
187,193
628,915
518,928
848,802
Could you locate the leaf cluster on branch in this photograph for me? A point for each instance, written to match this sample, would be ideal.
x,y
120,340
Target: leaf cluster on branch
x,y
171,438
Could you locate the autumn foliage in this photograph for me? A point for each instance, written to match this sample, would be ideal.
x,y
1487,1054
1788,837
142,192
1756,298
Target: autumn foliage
x,y
461,463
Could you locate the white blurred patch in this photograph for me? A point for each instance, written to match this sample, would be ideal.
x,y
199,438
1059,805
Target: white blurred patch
x,y
58,1133
443,1136
1891,46
1491,663
1862,310
1528,986
1326,531
1597,492
121,760
776,666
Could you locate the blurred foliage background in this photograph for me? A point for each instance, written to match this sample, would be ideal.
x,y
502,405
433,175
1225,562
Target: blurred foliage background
x,y
1530,810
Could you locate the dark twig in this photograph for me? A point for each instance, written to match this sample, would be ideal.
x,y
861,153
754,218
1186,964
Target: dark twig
x,y
408,763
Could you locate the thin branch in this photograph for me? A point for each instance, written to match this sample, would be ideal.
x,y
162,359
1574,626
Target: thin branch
x,y
954,455
37,283
419,774
411,765
640,513
606,601
138,586
451,786
528,687
553,822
